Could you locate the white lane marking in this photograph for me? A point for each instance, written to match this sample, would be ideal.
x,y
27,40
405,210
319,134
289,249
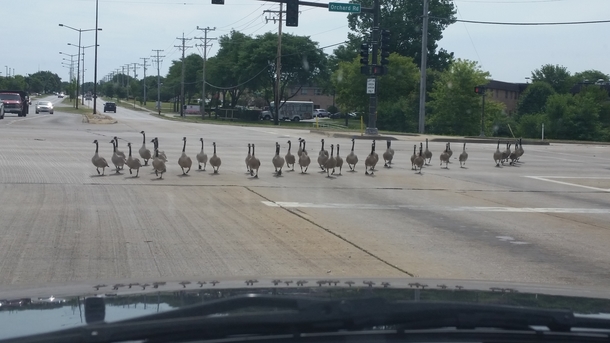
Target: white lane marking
x,y
547,179
285,204
510,240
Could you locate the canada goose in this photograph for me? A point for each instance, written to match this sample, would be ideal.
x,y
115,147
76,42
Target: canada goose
x,y
331,162
215,160
375,155
118,152
144,152
352,158
388,155
300,151
133,163
158,164
369,162
445,156
290,159
463,156
449,151
304,159
161,155
513,155
248,157
254,163
98,162
413,157
506,153
322,156
184,161
427,154
498,155
202,157
277,160
339,160
117,160
519,150
419,160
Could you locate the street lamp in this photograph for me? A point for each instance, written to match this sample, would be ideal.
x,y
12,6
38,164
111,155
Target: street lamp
x,y
83,73
80,31
71,68
95,63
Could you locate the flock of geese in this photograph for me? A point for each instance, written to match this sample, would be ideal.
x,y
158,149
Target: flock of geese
x,y
328,162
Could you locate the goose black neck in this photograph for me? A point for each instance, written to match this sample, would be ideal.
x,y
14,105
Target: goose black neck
x,y
414,149
277,149
426,143
337,149
143,138
322,144
214,148
303,145
96,147
129,150
389,144
289,145
184,146
252,149
353,143
202,145
332,148
249,149
114,146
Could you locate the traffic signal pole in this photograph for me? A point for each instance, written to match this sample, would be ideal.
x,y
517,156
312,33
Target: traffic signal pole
x,y
372,127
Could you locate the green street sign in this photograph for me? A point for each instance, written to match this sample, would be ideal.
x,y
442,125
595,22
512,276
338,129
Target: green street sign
x,y
340,7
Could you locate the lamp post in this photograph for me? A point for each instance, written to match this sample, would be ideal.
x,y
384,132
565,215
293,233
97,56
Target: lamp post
x,y
80,31
83,73
95,63
71,73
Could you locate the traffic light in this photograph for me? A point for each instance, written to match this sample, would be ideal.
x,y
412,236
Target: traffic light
x,y
218,2
480,90
385,47
364,58
380,70
292,12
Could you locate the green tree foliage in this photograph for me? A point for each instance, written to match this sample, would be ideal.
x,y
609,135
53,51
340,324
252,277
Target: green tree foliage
x,y
555,75
397,92
302,63
404,20
530,125
43,82
455,107
590,76
225,70
533,100
574,116
193,65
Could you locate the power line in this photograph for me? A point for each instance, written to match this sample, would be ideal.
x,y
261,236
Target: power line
x,y
205,46
525,24
158,61
183,48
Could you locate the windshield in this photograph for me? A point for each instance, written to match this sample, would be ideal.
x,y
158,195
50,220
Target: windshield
x,y
9,96
304,140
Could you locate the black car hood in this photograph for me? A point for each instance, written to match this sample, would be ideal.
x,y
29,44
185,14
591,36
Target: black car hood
x,y
25,311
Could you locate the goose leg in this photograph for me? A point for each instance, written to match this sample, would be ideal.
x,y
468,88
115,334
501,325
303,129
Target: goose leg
x,y
340,170
145,162
256,176
204,166
137,172
199,166
130,171
98,171
188,170
306,169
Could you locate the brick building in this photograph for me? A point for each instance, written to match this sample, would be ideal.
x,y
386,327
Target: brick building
x,y
507,93
314,94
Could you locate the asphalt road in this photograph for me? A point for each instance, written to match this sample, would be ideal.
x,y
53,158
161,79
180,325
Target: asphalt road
x,y
543,221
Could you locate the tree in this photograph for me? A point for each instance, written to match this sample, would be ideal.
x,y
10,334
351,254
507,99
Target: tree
x,y
455,107
404,20
533,100
555,75
43,82
574,116
302,63
224,69
590,76
193,65
396,97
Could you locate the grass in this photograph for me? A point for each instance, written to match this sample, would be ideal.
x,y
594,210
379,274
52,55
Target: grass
x,y
70,108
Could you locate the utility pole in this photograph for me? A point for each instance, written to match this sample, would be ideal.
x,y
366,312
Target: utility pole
x,y
144,65
183,47
158,61
127,82
205,46
424,60
135,76
278,67
375,37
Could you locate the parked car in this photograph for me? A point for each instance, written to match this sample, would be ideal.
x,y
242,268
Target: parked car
x,y
320,113
110,107
44,106
337,115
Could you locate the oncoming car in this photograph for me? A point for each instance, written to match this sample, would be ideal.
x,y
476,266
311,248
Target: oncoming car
x,y
110,107
44,106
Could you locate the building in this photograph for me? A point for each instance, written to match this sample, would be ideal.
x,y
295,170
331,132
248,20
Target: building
x,y
314,94
507,93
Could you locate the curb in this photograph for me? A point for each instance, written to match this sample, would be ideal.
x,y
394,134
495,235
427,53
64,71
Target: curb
x,y
353,136
479,140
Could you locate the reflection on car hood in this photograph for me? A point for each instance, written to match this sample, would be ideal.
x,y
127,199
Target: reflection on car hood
x,y
55,307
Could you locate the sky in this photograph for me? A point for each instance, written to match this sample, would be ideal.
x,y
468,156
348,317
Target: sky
x,y
131,29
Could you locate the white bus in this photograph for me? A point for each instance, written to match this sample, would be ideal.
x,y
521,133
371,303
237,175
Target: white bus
x,y
292,110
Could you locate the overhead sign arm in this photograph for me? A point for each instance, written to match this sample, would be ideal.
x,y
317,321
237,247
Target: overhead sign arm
x,y
317,4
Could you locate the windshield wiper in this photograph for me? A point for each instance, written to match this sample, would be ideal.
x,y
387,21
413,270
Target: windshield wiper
x,y
279,315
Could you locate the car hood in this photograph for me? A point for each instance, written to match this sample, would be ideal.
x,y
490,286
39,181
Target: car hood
x,y
11,101
59,306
